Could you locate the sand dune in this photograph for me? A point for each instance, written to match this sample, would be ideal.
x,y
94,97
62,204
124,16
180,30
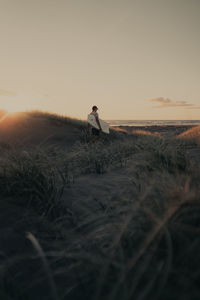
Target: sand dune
x,y
28,129
114,220
191,133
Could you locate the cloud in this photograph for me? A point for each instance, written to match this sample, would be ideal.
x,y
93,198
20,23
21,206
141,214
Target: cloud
x,y
166,102
194,107
7,93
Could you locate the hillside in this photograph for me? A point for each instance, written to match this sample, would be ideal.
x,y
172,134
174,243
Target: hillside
x,y
116,220
193,133
192,142
36,128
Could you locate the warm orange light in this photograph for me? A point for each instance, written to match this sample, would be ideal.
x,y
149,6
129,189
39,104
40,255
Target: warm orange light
x,y
3,117
19,103
12,107
11,110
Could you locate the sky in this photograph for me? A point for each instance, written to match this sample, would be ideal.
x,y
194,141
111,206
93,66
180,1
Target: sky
x,y
134,59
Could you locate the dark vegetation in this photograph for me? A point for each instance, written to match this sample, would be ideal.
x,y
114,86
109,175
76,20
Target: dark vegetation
x,y
137,239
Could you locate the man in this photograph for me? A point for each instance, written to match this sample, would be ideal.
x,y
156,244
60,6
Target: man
x,y
95,132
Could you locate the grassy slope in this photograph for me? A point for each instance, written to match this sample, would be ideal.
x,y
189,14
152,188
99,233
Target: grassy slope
x,y
34,128
37,128
191,139
192,133
116,220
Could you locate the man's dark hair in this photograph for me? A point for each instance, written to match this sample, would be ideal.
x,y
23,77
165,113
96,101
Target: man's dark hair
x,y
94,107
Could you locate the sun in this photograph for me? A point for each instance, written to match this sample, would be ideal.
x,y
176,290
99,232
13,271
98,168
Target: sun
x,y
12,110
21,102
16,104
11,105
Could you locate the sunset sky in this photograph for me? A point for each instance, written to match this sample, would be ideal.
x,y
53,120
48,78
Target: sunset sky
x,y
134,59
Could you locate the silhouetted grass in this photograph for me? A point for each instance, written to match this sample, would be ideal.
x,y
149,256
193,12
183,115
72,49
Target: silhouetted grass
x,y
141,242
32,179
58,119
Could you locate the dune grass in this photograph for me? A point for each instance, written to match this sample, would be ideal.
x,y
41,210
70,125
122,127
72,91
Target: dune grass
x,y
191,136
139,243
32,180
62,119
191,133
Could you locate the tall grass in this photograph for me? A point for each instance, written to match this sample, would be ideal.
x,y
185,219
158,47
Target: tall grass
x,y
141,242
58,119
132,247
191,136
33,180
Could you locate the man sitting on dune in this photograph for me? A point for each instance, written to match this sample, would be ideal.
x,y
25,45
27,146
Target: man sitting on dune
x,y
95,131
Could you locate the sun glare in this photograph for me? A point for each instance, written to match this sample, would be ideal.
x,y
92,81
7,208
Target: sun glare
x,y
20,103
12,110
12,106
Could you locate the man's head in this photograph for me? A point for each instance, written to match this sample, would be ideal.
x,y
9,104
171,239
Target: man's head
x,y
94,108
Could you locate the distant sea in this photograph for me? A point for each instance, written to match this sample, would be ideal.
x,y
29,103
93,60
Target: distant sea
x,y
152,122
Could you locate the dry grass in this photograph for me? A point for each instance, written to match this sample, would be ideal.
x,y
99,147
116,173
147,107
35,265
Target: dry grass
x,y
145,132
192,134
139,242
118,129
56,118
